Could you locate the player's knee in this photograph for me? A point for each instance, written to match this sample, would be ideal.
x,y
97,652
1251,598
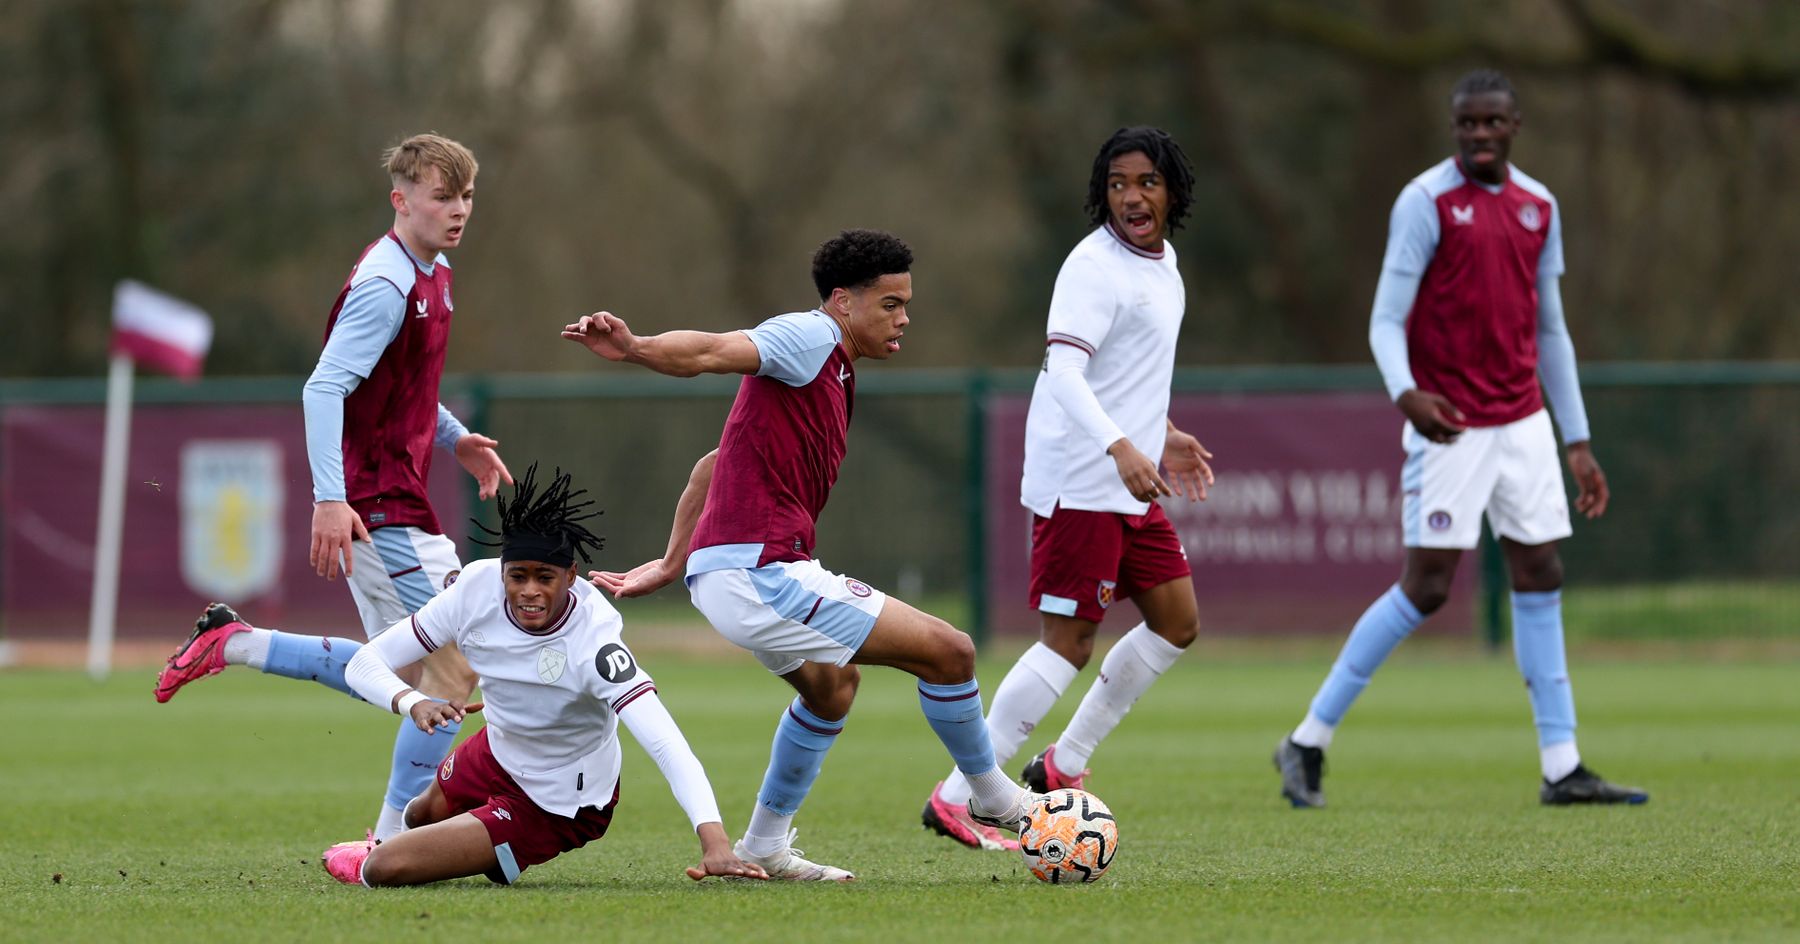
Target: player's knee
x,y
1540,574
1428,592
838,699
384,866
426,808
448,679
1181,635
953,657
1075,646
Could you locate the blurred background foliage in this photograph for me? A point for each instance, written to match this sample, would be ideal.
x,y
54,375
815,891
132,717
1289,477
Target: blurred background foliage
x,y
676,161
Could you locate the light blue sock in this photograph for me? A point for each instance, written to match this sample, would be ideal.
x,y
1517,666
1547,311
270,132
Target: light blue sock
x,y
1384,624
801,740
311,658
1538,644
416,759
954,712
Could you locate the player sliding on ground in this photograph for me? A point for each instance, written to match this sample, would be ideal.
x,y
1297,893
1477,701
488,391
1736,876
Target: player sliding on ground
x,y
744,529
542,777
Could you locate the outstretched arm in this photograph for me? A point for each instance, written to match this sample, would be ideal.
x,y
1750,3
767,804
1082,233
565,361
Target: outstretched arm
x,y
474,451
676,353
655,729
371,674
651,576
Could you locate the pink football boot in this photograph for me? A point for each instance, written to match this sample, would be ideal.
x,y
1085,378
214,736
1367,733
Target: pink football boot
x,y
955,822
344,861
1042,775
204,652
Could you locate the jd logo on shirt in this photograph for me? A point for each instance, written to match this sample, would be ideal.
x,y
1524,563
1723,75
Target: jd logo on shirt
x,y
614,663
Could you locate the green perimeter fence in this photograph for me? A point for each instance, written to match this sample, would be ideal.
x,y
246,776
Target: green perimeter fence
x,y
1701,541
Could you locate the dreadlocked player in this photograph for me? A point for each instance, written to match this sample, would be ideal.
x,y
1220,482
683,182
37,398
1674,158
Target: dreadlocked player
x,y
542,777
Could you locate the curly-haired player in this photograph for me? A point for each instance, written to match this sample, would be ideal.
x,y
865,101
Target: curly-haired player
x,y
1096,433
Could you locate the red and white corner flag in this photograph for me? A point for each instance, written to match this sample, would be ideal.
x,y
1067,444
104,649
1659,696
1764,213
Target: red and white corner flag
x,y
159,331
163,333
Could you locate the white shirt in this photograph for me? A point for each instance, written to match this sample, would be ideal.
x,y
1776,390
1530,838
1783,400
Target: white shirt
x,y
1122,306
553,699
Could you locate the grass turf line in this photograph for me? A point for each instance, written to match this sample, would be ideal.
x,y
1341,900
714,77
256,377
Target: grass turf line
x,y
203,819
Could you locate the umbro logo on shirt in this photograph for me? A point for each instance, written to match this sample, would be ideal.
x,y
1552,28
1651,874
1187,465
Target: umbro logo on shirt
x,y
843,372
1462,216
420,308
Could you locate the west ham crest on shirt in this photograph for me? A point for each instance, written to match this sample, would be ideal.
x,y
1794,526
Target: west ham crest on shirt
x,y
550,664
1108,589
1529,218
447,305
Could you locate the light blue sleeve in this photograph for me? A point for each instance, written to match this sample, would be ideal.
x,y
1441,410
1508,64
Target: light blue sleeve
x,y
1412,232
1550,260
1556,363
366,324
449,428
794,346
323,403
1394,294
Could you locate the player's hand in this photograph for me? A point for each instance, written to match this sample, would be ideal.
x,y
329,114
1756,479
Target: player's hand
x,y
1435,417
1137,471
1185,460
430,715
604,333
716,857
335,525
642,580
1592,494
476,453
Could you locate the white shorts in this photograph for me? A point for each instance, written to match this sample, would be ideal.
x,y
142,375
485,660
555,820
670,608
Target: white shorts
x,y
790,612
1512,472
397,573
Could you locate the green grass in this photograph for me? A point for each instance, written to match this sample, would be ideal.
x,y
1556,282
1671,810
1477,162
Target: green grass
x,y
203,819
1689,609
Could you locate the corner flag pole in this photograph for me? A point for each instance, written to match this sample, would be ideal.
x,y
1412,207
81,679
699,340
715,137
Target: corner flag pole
x,y
103,612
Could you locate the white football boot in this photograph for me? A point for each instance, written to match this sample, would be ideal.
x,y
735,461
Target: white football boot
x,y
790,864
1011,819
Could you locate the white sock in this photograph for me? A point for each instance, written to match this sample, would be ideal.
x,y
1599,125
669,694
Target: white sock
x,y
995,793
390,823
1313,733
251,648
1135,661
1027,693
1559,760
768,831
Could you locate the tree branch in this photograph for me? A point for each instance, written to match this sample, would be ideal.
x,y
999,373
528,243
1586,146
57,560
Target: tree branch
x,y
1609,39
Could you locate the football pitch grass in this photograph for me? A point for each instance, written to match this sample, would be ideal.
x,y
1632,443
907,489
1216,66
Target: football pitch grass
x,y
203,819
